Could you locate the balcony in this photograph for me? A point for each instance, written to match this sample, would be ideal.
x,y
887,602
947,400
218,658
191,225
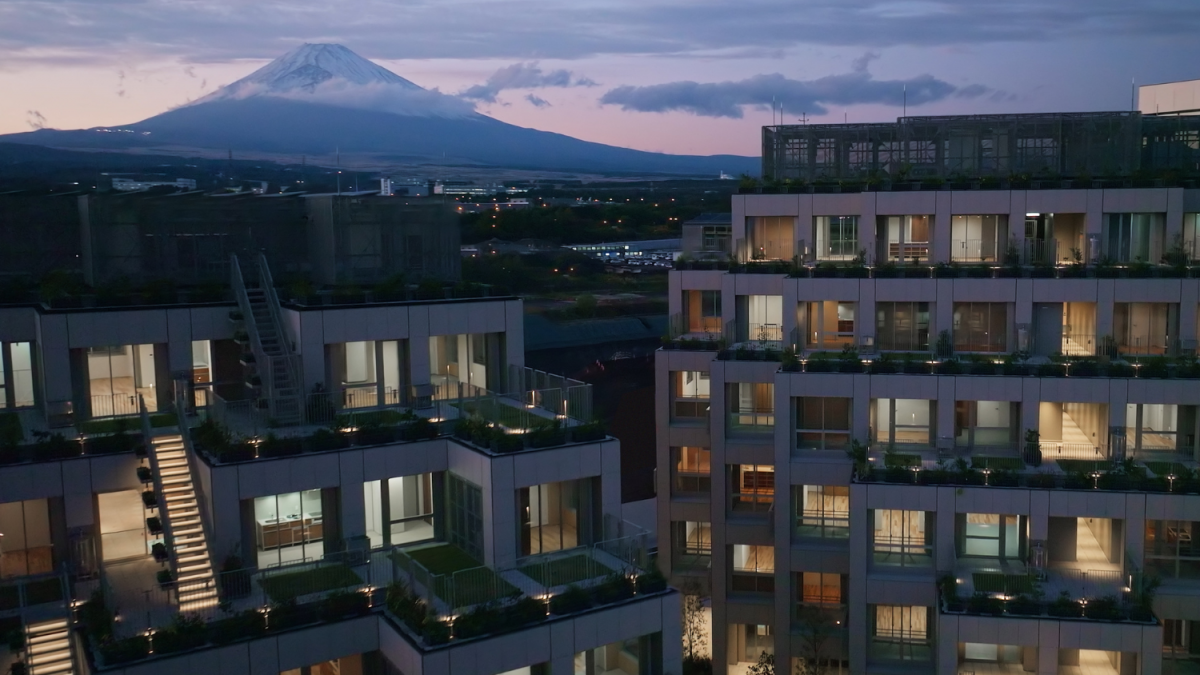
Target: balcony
x,y
542,411
1083,591
433,592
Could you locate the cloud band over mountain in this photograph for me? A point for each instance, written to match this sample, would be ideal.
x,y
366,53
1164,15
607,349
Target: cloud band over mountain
x,y
727,99
523,76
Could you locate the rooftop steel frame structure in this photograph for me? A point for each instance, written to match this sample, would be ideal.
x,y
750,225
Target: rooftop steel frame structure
x,y
974,146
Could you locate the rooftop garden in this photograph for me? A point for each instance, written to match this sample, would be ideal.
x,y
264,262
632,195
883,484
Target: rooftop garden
x,y
98,437
1024,471
1022,596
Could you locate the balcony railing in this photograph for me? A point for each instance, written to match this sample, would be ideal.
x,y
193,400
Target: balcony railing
x,y
974,250
339,586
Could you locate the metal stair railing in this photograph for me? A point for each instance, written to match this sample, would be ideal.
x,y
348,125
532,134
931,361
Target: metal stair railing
x,y
289,360
189,453
248,322
160,496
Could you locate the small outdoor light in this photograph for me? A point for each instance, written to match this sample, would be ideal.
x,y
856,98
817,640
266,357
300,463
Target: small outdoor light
x,y
916,471
987,474
1171,481
1096,479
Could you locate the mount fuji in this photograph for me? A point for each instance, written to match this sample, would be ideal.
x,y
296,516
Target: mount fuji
x,y
322,97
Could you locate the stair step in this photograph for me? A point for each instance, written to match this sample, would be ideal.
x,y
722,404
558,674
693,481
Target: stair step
x,y
33,639
63,654
53,668
59,643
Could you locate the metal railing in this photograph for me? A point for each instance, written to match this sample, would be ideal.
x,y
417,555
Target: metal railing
x,y
34,593
290,361
1059,450
974,250
538,575
116,405
555,394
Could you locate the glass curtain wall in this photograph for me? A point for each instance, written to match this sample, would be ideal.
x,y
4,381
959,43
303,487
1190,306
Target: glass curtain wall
x,y
822,511
123,533
16,375
903,422
1169,548
978,238
25,547
771,237
372,373
464,515
903,538
289,528
991,535
752,568
400,513
751,488
691,545
822,423
691,395
901,633
837,237
1133,237
693,471
117,375
902,326
703,312
830,324
986,424
981,327
903,238
1154,427
751,407
472,360
552,515
1145,328
760,318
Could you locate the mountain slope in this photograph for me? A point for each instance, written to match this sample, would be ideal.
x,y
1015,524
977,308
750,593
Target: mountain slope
x,y
319,98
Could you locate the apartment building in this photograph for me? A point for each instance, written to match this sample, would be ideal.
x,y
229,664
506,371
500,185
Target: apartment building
x,y
938,426
356,481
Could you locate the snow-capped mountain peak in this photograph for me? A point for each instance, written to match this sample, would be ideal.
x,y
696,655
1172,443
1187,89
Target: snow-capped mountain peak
x,y
334,75
310,65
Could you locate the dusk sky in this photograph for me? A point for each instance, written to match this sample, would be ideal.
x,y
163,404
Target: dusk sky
x,y
693,77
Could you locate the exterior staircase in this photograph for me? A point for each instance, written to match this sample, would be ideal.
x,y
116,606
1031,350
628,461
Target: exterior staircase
x,y
48,649
275,359
180,514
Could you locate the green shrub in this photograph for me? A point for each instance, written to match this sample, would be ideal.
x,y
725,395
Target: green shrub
x,y
572,599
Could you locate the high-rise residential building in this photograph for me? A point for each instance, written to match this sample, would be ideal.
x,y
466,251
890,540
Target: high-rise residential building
x,y
934,408
310,476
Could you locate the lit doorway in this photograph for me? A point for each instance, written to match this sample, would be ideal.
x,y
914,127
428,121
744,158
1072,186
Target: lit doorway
x,y
123,526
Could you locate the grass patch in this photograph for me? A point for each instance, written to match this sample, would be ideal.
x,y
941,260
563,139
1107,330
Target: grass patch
x,y
1165,469
290,585
999,463
894,460
1008,584
461,580
130,424
445,559
563,571
1082,465
496,412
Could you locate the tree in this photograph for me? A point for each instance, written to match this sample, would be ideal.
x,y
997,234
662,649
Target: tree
x,y
585,305
818,626
765,665
695,632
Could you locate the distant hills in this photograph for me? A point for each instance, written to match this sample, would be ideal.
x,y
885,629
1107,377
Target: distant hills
x,y
320,99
